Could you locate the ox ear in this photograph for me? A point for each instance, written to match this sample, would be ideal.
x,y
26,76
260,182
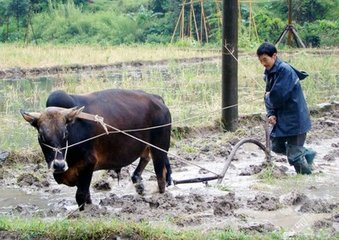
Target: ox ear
x,y
72,113
31,117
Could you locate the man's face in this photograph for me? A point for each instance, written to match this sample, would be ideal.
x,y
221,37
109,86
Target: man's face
x,y
267,61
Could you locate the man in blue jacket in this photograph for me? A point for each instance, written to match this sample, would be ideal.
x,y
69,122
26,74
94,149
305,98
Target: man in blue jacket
x,y
286,109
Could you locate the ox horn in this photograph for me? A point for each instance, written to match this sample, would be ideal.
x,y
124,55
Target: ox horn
x,y
72,113
31,117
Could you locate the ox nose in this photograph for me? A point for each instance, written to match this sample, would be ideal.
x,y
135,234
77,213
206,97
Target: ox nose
x,y
59,166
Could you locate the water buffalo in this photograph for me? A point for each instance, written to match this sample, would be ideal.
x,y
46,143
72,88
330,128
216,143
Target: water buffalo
x,y
69,119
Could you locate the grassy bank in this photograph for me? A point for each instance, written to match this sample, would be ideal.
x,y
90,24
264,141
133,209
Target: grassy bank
x,y
118,229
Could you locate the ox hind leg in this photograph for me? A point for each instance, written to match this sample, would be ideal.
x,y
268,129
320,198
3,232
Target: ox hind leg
x,y
159,163
161,138
136,177
162,169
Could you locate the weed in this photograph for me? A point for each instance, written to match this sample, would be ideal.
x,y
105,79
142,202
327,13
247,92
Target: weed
x,y
223,187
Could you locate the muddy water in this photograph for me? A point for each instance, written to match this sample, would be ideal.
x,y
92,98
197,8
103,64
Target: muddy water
x,y
194,205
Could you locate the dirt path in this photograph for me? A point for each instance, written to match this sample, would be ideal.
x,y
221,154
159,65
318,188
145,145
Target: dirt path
x,y
254,196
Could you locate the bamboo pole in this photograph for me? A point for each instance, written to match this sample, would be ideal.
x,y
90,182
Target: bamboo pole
x,y
183,20
177,24
190,19
289,22
204,20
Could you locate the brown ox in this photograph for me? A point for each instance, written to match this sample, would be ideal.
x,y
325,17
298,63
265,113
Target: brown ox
x,y
66,121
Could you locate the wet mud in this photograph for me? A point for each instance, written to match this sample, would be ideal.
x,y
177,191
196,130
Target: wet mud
x,y
254,196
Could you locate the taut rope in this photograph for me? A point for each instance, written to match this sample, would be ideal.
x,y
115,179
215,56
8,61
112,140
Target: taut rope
x,y
100,120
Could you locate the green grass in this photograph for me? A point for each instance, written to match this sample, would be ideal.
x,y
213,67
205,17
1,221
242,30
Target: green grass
x,y
107,229
94,228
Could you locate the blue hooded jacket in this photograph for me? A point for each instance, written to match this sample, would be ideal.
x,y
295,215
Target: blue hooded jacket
x,y
286,101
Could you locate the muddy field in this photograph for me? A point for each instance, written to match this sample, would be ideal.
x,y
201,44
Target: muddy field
x,y
254,196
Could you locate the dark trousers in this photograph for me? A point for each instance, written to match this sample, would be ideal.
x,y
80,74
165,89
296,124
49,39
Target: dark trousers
x,y
279,143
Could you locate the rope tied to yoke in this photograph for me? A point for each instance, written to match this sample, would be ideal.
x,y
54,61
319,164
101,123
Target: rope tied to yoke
x,y
100,120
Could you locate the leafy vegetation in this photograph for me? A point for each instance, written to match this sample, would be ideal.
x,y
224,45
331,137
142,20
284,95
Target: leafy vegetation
x,y
104,22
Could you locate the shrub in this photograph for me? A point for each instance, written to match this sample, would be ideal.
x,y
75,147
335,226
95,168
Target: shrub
x,y
70,25
321,33
269,28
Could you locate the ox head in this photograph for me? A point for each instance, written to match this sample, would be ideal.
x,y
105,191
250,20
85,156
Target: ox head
x,y
53,134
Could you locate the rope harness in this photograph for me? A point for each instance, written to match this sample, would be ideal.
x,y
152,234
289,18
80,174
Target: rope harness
x,y
105,126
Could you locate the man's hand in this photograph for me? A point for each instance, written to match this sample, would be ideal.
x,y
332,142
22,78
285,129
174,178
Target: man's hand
x,y
272,120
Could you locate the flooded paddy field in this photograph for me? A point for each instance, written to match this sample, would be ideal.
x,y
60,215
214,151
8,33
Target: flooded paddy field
x,y
253,197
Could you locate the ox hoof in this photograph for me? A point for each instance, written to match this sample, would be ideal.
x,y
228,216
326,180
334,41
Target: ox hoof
x,y
162,186
139,187
82,207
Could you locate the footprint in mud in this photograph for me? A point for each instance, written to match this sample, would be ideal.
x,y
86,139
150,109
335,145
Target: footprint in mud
x,y
257,227
264,201
317,206
28,179
91,210
251,170
184,221
332,155
24,210
294,198
225,205
102,185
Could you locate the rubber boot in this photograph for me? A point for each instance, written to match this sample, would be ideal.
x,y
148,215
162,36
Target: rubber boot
x,y
310,155
302,167
296,157
278,146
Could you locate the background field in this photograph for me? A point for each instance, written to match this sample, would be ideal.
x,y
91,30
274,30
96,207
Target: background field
x,y
192,90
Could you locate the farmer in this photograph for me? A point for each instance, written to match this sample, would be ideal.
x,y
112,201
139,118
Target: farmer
x,y
286,109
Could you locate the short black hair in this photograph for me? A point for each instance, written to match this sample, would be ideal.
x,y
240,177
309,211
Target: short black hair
x,y
266,48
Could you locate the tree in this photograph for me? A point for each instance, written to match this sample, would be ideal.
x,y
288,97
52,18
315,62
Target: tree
x,y
305,10
19,9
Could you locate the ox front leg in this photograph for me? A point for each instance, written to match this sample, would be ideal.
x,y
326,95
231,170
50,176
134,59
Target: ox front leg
x,y
82,195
